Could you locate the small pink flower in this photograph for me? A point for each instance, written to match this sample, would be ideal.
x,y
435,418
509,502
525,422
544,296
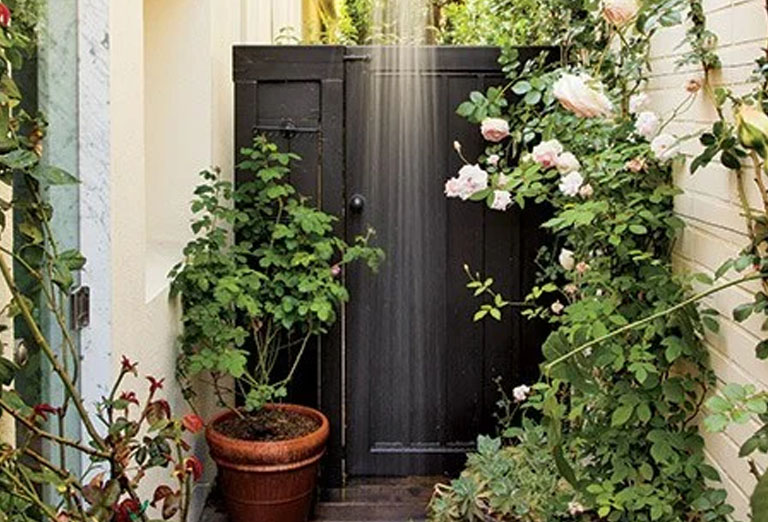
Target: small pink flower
x,y
494,159
693,85
637,102
521,393
557,308
620,12
647,124
494,129
336,269
546,153
636,165
571,289
582,267
586,191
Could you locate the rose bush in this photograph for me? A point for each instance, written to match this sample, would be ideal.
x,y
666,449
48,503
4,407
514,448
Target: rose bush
x,y
620,415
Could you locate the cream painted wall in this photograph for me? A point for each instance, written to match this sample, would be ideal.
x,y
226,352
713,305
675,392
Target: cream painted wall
x,y
715,229
171,116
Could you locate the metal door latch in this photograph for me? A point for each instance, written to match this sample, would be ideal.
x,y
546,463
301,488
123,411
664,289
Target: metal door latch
x,y
80,307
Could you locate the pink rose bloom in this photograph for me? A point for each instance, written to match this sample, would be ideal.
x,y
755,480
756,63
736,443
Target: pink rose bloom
x,y
546,153
494,129
501,200
586,191
620,12
582,96
571,289
471,179
494,159
567,162
582,267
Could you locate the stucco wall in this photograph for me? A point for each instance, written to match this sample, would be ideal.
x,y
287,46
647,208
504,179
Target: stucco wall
x,y
710,206
171,116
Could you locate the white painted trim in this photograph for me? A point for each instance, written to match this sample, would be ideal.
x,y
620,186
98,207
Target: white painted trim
x,y
94,171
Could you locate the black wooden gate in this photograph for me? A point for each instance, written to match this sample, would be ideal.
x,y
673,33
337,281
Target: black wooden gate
x,y
406,377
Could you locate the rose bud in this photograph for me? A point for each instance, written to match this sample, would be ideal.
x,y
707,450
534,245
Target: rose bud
x,y
752,125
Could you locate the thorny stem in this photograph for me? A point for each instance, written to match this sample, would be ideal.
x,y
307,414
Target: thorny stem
x,y
30,495
698,297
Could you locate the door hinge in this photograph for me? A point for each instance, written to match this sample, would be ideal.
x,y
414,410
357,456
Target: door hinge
x,y
80,307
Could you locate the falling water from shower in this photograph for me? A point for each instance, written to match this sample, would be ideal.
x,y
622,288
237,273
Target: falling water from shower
x,y
402,148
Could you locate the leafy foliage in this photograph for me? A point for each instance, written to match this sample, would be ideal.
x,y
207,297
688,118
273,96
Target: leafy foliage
x,y
511,482
628,404
265,267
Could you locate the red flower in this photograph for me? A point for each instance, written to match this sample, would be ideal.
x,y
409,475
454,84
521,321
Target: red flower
x,y
155,384
129,397
127,366
5,15
193,465
192,423
126,509
42,411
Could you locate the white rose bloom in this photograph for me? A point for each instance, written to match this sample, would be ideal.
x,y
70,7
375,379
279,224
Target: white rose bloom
x,y
582,96
567,162
454,188
520,393
637,102
570,184
547,152
557,308
647,124
501,200
619,12
566,259
664,147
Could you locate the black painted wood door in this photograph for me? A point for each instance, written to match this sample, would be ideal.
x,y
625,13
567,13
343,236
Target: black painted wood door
x,y
420,371
405,377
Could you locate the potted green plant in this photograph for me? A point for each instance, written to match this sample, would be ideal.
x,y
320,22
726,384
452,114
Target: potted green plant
x,y
259,281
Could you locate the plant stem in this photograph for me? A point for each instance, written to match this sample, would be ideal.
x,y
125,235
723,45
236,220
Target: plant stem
x,y
46,348
698,297
50,436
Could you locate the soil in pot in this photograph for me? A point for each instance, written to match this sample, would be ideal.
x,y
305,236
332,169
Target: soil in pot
x,y
268,426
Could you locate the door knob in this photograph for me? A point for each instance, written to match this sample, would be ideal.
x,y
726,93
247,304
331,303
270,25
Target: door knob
x,y
357,203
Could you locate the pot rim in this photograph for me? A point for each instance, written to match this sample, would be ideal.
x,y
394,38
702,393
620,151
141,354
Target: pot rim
x,y
317,437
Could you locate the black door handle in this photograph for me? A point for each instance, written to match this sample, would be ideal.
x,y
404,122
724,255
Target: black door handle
x,y
357,203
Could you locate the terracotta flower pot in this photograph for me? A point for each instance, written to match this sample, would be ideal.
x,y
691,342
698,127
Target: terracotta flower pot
x,y
268,481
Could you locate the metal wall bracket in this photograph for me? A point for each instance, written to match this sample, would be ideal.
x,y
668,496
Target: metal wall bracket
x,y
80,307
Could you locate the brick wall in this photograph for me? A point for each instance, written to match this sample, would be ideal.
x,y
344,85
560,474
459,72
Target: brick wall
x,y
710,206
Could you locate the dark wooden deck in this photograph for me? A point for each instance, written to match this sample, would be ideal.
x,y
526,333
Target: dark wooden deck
x,y
368,500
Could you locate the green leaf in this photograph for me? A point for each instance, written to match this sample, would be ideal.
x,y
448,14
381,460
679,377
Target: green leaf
x,y
19,159
622,414
759,501
521,87
8,371
742,312
50,175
